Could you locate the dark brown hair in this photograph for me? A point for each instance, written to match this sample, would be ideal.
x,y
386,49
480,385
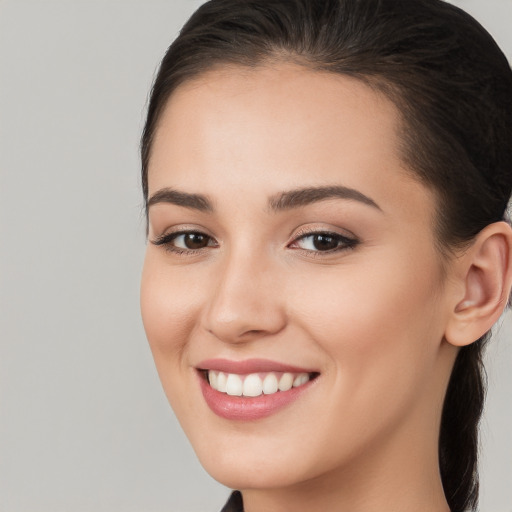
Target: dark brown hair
x,y
453,87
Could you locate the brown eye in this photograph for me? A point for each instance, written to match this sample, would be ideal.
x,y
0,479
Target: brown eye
x,y
193,240
324,242
185,241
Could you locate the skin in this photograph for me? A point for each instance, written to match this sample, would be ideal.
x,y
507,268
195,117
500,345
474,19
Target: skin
x,y
371,319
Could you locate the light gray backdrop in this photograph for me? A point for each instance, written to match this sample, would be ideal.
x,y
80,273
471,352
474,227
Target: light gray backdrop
x,y
84,424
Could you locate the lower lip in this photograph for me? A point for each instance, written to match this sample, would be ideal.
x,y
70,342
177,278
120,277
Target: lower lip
x,y
248,409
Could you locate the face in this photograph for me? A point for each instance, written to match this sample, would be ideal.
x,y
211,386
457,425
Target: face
x,y
289,246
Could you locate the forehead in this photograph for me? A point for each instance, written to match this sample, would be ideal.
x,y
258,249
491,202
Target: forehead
x,y
275,127
298,99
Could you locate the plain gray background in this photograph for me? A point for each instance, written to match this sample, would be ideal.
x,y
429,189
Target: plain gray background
x,y
84,424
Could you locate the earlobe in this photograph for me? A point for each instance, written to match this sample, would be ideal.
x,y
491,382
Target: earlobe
x,y
485,272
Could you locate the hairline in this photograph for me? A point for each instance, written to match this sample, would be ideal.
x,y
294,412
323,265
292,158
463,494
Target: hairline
x,y
376,82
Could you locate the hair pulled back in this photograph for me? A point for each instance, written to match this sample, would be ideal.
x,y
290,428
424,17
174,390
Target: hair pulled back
x,y
453,87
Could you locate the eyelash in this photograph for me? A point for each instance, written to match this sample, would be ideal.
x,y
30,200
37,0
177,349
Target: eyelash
x,y
166,240
343,242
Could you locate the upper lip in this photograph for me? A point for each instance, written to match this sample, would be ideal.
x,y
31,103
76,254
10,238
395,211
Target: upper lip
x,y
248,366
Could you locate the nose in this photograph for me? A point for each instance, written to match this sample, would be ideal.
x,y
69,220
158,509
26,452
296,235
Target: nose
x,y
245,303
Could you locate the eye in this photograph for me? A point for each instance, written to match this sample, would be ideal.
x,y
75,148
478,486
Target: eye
x,y
192,241
185,241
324,242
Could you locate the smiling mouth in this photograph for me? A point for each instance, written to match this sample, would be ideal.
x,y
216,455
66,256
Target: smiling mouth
x,y
252,389
256,384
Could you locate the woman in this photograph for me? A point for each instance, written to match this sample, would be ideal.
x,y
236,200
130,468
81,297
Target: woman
x,y
326,184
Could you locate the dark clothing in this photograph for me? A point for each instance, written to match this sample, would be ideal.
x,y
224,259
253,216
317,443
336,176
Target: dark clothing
x,y
235,503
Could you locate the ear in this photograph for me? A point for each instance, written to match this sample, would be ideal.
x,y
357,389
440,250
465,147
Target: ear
x,y
484,280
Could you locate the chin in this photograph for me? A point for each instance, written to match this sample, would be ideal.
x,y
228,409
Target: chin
x,y
247,472
268,456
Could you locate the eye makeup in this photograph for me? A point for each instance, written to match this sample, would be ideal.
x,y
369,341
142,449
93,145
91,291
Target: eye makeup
x,y
315,242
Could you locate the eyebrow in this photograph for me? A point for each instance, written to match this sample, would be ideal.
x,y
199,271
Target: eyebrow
x,y
283,201
304,196
185,199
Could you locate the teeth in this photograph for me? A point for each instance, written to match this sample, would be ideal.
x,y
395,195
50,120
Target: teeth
x,y
270,384
286,382
221,382
234,385
213,379
300,379
255,384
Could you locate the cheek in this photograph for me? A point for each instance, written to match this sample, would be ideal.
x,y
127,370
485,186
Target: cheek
x,y
380,325
169,301
380,331
169,306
